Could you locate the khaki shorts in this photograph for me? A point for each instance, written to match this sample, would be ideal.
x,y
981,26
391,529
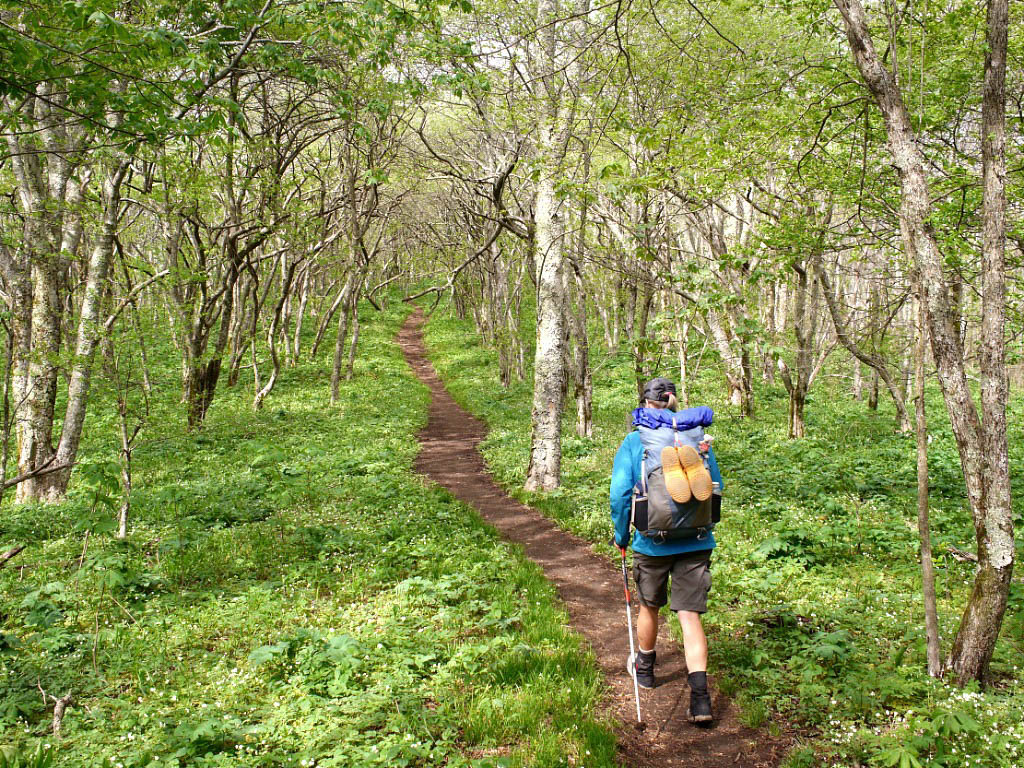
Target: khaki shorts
x,y
691,580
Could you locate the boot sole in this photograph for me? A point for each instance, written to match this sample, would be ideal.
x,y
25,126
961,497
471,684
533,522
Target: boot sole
x,y
697,476
675,475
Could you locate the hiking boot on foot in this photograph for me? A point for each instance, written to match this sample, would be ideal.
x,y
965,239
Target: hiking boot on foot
x,y
675,475
697,475
700,707
644,668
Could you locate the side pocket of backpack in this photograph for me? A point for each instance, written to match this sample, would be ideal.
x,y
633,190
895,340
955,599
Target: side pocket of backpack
x,y
638,510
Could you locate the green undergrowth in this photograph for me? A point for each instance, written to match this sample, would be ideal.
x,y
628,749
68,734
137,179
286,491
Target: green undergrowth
x,y
816,616
289,595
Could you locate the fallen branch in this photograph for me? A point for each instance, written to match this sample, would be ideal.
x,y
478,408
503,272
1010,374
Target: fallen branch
x,y
45,469
126,611
60,706
963,557
10,553
970,557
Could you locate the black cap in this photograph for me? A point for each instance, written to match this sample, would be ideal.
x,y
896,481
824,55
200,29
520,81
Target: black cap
x,y
657,390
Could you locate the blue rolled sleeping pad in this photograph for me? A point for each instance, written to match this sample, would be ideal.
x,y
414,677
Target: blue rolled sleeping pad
x,y
654,418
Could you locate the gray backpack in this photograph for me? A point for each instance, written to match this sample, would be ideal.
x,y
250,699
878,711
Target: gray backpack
x,y
654,513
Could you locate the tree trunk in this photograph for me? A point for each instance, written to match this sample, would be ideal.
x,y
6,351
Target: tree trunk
x,y
350,365
583,382
682,350
238,326
629,309
126,482
339,355
877,364
931,621
89,330
731,361
544,470
39,159
202,377
300,317
5,425
326,319
35,421
797,426
639,338
604,310
981,441
272,334
993,512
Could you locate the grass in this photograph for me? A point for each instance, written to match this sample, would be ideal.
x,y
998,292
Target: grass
x,y
816,616
289,595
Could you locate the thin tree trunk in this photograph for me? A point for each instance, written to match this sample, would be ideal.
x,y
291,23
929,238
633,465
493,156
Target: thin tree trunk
x,y
272,337
326,319
89,330
339,355
931,621
981,440
582,378
5,436
682,349
350,365
639,338
243,286
126,480
877,364
300,317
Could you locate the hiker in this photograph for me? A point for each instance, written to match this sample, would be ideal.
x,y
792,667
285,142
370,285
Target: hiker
x,y
685,555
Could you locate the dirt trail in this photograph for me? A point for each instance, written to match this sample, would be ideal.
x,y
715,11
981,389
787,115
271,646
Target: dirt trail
x,y
591,588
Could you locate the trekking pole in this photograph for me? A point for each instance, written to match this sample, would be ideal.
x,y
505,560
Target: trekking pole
x,y
629,623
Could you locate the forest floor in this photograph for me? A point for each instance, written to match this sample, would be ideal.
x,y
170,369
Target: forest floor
x,y
591,588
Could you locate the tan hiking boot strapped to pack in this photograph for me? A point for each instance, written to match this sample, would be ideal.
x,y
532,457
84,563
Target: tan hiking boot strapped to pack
x,y
675,475
696,473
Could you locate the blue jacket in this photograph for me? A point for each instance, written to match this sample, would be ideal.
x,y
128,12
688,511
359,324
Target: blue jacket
x,y
625,475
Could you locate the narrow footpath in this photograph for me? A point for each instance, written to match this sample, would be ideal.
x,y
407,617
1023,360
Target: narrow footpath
x,y
591,587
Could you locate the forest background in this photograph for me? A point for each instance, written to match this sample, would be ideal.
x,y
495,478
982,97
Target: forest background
x,y
807,213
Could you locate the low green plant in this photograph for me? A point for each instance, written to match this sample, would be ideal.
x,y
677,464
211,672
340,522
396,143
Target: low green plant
x,y
41,757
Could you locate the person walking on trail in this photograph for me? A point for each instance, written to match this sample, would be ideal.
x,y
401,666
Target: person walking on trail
x,y
671,444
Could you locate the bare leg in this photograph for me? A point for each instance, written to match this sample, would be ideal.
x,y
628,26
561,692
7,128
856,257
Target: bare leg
x,y
647,628
695,644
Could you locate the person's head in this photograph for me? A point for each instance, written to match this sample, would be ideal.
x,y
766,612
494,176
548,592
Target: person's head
x,y
659,393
